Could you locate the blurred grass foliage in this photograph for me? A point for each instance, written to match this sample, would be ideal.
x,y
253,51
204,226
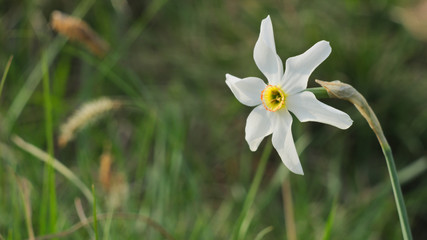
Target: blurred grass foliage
x,y
181,150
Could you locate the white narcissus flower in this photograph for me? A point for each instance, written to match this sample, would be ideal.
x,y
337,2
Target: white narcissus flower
x,y
283,93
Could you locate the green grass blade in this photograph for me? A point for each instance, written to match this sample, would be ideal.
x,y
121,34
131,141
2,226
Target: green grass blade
x,y
263,232
414,170
330,222
50,178
6,70
95,222
237,231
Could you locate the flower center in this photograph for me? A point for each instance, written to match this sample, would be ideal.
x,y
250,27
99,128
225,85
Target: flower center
x,y
273,98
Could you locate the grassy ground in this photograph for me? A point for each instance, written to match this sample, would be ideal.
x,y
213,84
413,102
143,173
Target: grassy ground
x,y
177,148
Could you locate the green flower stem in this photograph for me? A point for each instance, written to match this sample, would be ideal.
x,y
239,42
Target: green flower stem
x,y
238,229
319,92
336,89
398,196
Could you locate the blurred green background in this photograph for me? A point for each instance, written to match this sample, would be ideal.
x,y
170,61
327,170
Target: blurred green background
x,y
182,153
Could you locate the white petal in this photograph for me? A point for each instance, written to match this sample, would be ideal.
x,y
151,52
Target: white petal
x,y
258,126
247,90
265,55
306,108
300,67
283,141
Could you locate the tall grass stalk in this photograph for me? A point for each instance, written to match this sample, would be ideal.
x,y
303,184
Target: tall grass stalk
x,y
25,192
49,191
107,225
346,92
6,70
330,221
95,222
238,232
288,208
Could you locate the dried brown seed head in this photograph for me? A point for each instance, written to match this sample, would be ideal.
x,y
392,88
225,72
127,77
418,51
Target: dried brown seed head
x,y
78,30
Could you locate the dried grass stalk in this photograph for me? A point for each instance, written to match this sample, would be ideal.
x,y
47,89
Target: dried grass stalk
x,y
78,30
25,190
57,165
87,114
82,216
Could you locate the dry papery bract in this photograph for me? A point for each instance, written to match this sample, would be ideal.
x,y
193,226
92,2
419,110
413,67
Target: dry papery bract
x,y
78,30
87,114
